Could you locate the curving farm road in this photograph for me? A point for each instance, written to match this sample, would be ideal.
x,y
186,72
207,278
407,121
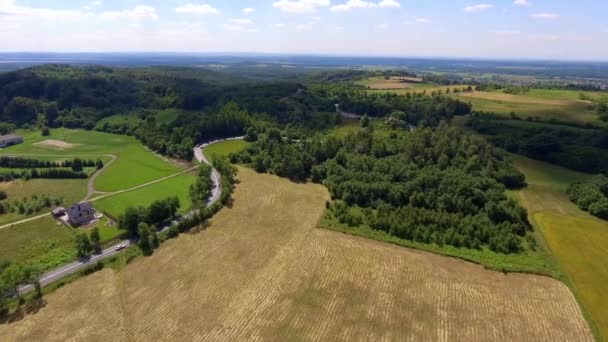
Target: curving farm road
x,y
79,265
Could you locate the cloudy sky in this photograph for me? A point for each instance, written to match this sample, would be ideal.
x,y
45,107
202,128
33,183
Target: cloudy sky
x,y
555,29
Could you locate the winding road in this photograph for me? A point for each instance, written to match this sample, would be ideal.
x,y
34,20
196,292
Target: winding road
x,y
79,265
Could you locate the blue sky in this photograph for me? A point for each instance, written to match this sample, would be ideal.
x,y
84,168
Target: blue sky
x,y
526,29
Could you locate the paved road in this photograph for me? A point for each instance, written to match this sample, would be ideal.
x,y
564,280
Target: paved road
x,y
79,265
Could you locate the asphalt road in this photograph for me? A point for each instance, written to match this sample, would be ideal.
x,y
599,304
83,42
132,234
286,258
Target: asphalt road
x,y
79,265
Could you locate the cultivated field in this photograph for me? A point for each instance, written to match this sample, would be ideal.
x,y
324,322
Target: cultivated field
x,y
262,271
543,107
578,240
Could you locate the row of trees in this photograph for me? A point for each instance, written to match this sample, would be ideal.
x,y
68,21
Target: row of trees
x,y
88,244
591,195
442,182
75,164
27,206
7,176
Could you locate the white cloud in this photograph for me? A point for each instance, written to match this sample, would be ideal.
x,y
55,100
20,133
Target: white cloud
x,y
382,27
300,6
362,4
138,12
423,20
241,21
548,16
96,3
191,8
389,4
477,8
339,28
279,26
248,10
239,28
523,3
10,8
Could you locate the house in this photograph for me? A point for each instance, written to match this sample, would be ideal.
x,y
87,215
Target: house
x,y
81,213
10,139
58,212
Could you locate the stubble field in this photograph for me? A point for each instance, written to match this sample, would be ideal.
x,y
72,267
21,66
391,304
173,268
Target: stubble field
x,y
262,271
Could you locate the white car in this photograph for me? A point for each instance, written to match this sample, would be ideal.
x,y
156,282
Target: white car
x,y
120,248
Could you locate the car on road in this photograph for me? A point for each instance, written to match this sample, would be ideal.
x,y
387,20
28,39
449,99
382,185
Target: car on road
x,y
120,247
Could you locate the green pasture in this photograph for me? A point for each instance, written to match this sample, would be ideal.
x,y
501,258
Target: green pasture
x,y
119,119
177,186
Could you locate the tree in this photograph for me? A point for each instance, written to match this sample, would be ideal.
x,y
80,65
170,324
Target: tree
x,y
4,294
365,121
99,164
77,165
145,242
83,245
131,218
96,241
13,276
32,274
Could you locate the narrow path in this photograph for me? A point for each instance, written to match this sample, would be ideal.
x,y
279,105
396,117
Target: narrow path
x,y
91,182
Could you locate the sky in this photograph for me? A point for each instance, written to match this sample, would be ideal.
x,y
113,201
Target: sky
x,y
520,29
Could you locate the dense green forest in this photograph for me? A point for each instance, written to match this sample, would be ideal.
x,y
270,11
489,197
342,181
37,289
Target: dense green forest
x,y
578,148
591,195
433,185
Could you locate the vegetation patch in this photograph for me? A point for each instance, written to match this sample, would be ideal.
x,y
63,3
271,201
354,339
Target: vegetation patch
x,y
224,149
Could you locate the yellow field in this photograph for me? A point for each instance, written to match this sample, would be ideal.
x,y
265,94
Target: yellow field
x,y
262,271
577,239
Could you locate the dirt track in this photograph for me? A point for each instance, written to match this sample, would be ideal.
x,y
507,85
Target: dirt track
x,y
262,271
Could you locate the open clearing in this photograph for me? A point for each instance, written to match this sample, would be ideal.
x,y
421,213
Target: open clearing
x,y
578,240
224,148
134,165
262,271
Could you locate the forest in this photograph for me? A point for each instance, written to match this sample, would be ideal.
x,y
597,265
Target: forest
x,y
591,195
433,185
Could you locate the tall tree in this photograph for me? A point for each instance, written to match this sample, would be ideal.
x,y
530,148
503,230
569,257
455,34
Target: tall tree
x,y
96,240
83,245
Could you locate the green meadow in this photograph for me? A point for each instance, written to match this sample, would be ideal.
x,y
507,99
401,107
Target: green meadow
x,y
134,165
224,148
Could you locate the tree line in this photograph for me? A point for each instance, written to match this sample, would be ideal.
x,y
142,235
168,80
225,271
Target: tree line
x,y
591,195
12,277
75,164
7,176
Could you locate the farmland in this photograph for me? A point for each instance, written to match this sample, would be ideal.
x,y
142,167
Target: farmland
x,y
524,106
262,271
578,240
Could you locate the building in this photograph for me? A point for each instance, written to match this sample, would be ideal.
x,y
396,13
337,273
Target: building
x,y
58,212
10,139
81,213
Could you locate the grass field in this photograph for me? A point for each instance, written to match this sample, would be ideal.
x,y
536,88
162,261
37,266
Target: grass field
x,y
524,106
381,85
135,164
261,271
128,120
42,241
224,148
176,186
578,240
70,190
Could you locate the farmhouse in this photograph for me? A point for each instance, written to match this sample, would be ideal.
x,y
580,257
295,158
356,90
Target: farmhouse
x,y
81,213
10,139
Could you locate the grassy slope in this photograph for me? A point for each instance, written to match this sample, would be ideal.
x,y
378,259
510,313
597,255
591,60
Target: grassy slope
x,y
41,241
130,120
578,240
224,148
135,164
177,186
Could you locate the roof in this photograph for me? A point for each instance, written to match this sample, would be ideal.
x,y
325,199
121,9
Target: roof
x,y
58,210
10,137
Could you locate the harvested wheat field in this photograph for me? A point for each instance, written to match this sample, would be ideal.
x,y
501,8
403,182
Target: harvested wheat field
x,y
262,271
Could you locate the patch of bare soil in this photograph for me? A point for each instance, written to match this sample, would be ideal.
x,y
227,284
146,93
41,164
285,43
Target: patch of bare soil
x,y
56,144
